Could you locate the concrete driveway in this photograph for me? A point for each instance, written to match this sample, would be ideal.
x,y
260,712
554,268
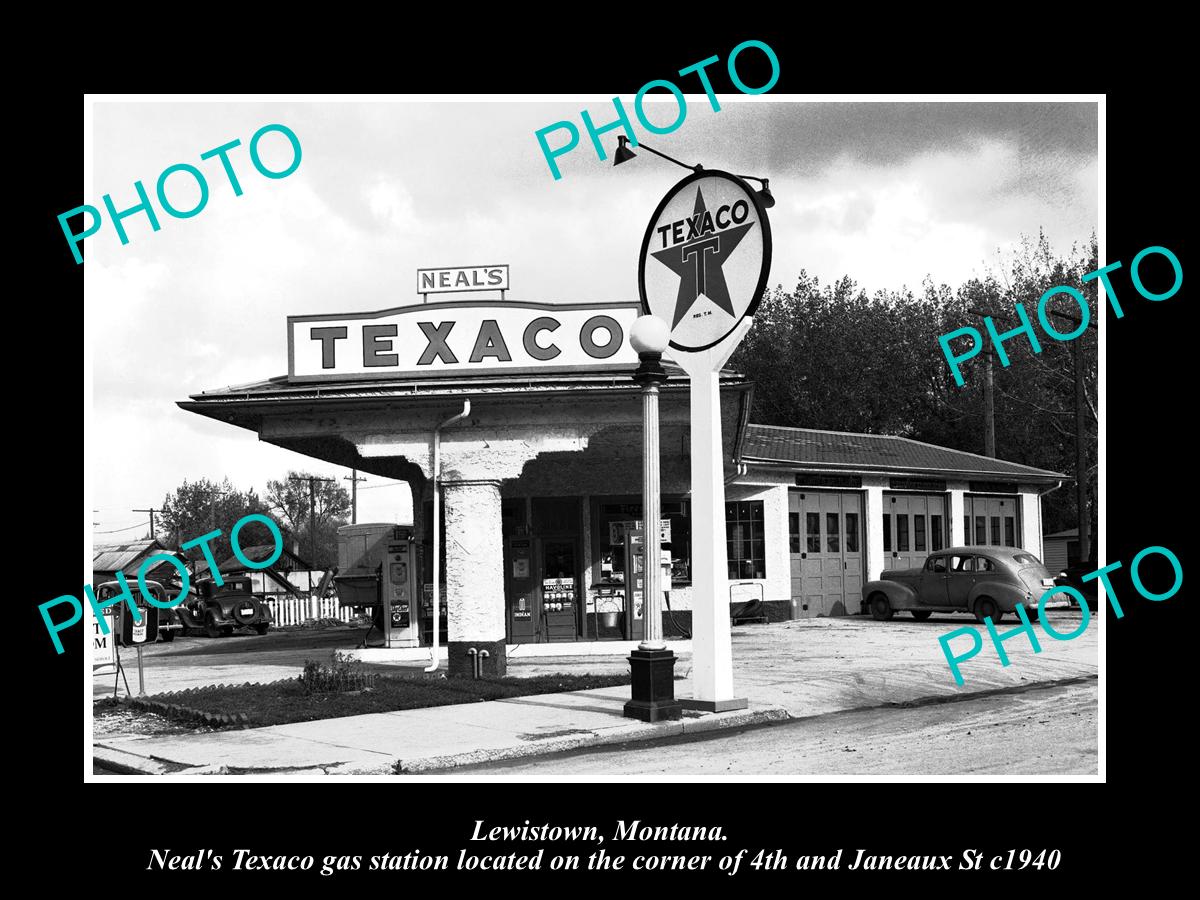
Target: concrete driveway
x,y
808,666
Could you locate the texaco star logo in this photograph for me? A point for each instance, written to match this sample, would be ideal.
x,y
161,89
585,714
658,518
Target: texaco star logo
x,y
705,258
698,261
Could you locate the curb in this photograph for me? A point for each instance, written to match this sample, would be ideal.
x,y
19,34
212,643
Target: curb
x,y
615,735
132,764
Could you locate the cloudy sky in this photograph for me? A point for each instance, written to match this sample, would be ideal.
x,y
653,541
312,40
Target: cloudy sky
x,y
887,193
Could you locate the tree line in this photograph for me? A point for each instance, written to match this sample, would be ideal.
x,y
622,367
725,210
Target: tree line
x,y
199,507
833,357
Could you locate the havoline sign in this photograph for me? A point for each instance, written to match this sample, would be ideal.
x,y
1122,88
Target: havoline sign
x,y
705,258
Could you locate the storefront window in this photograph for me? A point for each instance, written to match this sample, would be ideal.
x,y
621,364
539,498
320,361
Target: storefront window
x,y
745,539
794,532
887,532
935,532
813,524
851,532
919,534
614,516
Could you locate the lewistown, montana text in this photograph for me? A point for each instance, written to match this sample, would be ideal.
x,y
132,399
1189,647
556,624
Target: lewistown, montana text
x,y
633,831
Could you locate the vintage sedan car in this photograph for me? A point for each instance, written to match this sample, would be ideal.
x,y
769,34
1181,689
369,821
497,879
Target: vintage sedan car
x,y
219,610
985,581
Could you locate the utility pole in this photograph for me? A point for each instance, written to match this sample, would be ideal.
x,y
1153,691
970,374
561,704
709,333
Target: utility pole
x,y
213,494
354,480
989,411
152,512
1081,491
314,602
989,402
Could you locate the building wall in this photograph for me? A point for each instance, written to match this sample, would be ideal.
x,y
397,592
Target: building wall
x,y
873,508
772,489
1031,520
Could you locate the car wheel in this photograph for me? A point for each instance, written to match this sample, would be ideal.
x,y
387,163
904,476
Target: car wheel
x,y
262,627
986,608
881,609
921,614
211,628
167,636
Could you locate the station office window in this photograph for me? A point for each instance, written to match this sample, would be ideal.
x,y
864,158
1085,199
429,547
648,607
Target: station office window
x,y
745,540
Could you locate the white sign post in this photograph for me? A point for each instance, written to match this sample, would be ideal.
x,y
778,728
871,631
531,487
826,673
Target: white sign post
x,y
703,269
712,654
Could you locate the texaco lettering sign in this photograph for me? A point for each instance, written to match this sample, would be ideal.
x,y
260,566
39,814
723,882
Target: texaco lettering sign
x,y
705,258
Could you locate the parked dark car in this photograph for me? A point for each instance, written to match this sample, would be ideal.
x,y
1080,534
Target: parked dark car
x,y
986,581
219,610
168,619
1073,577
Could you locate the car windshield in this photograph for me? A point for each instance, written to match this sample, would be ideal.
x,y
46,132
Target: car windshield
x,y
1027,559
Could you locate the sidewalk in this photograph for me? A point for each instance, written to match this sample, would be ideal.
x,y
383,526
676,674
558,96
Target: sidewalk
x,y
414,741
791,669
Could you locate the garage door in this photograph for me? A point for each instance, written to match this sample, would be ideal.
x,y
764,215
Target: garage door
x,y
991,520
825,534
914,525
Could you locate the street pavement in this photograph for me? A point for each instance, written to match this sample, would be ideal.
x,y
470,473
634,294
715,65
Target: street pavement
x,y
1037,730
802,668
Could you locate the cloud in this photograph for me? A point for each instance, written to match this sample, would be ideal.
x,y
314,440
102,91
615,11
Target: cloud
x,y
886,193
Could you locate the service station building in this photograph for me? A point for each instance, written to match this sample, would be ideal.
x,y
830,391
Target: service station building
x,y
541,481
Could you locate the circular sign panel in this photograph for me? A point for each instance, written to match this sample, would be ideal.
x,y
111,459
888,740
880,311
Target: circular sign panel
x,y
705,258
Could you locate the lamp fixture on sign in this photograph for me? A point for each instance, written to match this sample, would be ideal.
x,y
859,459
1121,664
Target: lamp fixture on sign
x,y
624,154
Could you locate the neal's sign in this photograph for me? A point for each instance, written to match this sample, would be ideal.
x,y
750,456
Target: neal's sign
x,y
467,278
467,338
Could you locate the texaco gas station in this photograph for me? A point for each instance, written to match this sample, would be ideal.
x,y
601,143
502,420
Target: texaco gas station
x,y
528,418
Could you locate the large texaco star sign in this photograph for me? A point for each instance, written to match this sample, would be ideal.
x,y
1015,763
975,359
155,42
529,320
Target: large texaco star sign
x,y
705,258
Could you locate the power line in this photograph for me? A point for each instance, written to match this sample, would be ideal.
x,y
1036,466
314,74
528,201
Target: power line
x,y
152,512
116,530
371,487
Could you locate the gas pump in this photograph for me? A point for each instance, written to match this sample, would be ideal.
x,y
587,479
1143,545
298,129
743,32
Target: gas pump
x,y
379,571
635,583
635,572
523,624
399,589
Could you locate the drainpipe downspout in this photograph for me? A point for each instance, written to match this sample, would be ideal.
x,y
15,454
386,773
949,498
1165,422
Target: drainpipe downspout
x,y
437,532
738,471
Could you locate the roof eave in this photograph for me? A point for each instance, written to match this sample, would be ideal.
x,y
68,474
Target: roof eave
x,y
836,468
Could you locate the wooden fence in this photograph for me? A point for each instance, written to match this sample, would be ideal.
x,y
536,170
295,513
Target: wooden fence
x,y
289,610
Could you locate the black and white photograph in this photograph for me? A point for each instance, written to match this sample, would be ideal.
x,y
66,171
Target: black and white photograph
x,y
692,434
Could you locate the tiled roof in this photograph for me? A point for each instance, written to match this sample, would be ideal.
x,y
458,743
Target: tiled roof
x,y
807,448
111,557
